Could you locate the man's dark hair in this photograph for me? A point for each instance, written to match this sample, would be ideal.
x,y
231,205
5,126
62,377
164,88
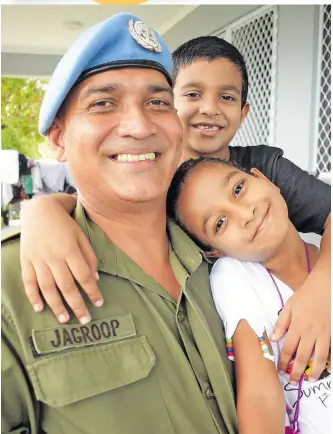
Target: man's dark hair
x,y
177,183
211,48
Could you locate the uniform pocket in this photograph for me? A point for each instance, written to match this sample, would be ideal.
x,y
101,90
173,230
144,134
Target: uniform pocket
x,y
71,376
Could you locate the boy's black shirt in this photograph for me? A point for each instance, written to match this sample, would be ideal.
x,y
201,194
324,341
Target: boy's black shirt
x,y
308,199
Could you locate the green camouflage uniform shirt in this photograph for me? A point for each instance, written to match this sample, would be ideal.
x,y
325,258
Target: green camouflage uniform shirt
x,y
144,365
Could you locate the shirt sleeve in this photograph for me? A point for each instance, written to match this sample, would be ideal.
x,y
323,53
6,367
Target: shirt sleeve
x,y
19,411
234,296
308,199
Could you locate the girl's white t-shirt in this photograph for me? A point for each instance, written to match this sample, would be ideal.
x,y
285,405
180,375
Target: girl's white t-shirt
x,y
245,290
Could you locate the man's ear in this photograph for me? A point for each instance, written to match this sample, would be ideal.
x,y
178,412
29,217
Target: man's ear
x,y
245,111
55,136
214,254
260,175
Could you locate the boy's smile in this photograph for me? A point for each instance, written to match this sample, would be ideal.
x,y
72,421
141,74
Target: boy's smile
x,y
208,100
208,129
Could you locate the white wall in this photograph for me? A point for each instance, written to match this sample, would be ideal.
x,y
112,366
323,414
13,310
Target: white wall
x,y
297,60
205,20
296,89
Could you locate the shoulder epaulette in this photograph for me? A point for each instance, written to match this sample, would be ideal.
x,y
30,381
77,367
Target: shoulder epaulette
x,y
10,237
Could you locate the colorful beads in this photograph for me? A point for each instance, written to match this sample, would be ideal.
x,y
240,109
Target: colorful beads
x,y
263,344
265,349
230,349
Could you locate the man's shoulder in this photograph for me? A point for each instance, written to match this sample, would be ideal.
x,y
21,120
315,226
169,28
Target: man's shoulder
x,y
10,251
11,281
188,252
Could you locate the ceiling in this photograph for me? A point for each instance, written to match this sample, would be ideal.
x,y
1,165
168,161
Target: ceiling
x,y
59,26
34,37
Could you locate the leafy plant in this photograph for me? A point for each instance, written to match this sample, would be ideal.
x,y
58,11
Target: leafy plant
x,y
20,104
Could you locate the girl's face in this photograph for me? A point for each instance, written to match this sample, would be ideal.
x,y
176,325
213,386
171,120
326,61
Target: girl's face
x,y
243,216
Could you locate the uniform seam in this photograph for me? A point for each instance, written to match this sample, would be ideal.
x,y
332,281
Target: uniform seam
x,y
7,315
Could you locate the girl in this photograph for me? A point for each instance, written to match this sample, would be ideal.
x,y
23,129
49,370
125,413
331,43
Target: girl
x,y
263,260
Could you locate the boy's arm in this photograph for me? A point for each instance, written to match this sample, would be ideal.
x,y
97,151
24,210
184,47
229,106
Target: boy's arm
x,y
306,316
54,252
260,402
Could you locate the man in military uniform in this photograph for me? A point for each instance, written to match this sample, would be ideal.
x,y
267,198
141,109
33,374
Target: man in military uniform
x,y
152,360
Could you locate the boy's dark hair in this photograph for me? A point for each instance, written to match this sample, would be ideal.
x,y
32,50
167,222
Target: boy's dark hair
x,y
177,183
210,47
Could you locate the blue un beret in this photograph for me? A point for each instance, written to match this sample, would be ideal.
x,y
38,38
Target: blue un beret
x,y
121,41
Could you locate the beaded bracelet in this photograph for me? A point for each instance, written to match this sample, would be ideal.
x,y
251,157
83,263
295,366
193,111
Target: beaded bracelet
x,y
230,349
263,344
265,349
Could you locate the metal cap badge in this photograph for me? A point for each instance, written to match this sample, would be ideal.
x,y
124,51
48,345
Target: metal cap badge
x,y
144,36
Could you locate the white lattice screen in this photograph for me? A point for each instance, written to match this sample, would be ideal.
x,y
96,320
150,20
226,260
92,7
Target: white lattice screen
x,y
256,38
324,115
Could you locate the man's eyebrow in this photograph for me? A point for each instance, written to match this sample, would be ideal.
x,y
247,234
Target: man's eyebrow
x,y
106,88
112,87
158,88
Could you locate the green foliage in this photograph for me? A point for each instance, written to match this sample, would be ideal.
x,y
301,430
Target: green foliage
x,y
20,104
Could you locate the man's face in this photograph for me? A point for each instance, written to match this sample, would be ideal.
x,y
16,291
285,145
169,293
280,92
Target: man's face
x,y
121,135
208,101
243,216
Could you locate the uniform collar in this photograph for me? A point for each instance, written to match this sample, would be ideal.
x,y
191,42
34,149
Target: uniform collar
x,y
113,260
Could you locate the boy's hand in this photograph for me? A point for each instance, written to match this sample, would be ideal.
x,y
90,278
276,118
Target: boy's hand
x,y
54,252
306,316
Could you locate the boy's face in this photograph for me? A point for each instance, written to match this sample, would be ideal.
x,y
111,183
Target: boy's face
x,y
208,102
239,214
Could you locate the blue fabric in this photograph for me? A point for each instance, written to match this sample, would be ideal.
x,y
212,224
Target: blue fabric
x,y
105,42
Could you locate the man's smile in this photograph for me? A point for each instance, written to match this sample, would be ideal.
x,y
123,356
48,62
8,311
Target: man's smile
x,y
135,157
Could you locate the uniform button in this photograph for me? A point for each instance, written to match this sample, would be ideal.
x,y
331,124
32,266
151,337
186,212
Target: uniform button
x,y
181,316
209,393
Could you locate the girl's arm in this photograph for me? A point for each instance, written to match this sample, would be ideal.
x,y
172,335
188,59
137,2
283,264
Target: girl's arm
x,y
261,405
54,252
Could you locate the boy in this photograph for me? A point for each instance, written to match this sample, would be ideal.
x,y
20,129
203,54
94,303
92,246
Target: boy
x,y
210,96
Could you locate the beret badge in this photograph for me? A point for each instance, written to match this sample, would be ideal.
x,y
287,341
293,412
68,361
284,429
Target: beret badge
x,y
144,36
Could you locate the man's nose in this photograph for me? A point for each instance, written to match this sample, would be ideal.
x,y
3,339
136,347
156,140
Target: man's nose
x,y
136,123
